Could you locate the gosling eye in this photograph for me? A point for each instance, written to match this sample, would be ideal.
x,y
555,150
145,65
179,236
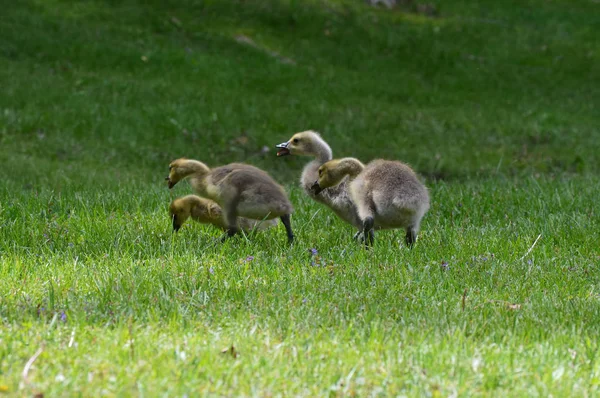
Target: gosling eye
x,y
320,172
295,140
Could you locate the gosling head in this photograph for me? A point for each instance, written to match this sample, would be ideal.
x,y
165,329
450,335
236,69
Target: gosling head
x,y
327,174
202,210
179,211
333,172
182,168
308,143
175,172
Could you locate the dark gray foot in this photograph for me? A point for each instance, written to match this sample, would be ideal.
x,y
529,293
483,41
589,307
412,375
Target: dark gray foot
x,y
231,231
288,227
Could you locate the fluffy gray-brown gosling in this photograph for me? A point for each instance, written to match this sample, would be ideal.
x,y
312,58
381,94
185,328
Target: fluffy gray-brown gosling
x,y
337,198
206,211
386,193
240,189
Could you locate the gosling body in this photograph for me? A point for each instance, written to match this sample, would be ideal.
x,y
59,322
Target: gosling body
x,y
206,211
386,193
241,190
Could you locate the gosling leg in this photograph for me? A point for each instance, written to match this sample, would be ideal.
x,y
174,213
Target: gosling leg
x,y
372,236
285,219
231,220
366,211
369,235
411,237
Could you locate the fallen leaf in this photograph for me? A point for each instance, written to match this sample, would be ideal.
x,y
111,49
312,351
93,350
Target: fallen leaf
x,y
231,351
476,363
176,21
558,373
427,9
513,306
241,140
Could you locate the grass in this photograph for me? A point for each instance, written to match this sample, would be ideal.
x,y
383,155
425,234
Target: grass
x,y
492,102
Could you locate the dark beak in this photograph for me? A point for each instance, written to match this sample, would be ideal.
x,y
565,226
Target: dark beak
x,y
316,188
171,184
283,149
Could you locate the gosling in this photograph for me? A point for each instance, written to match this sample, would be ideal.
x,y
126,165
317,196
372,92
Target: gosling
x,y
337,198
386,193
206,211
240,189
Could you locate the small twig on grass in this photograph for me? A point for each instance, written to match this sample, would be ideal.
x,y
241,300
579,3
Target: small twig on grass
x,y
531,248
244,235
53,322
499,164
508,304
248,41
72,340
313,216
131,339
28,366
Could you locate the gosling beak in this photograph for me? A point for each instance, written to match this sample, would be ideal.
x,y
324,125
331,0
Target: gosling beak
x,y
170,183
283,149
316,188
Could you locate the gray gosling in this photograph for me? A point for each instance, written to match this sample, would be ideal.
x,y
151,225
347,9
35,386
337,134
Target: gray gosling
x,y
386,193
240,189
206,211
337,198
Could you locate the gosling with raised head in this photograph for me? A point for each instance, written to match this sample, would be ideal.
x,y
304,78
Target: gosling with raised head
x,y
241,190
337,198
206,211
386,193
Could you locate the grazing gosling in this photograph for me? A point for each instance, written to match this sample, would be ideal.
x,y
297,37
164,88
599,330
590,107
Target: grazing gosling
x,y
337,198
240,190
386,193
206,211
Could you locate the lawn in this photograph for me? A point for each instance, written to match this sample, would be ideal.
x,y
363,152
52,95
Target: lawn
x,y
494,103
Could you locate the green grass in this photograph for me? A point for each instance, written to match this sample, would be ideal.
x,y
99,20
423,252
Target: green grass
x,y
494,103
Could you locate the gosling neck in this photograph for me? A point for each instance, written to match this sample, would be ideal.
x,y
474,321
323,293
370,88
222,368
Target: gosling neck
x,y
322,150
351,167
204,213
193,167
324,155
